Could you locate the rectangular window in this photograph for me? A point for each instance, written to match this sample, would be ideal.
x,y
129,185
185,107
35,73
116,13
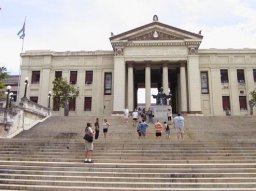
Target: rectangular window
x,y
56,104
254,75
242,103
73,77
34,99
87,103
240,76
72,104
204,82
35,77
88,77
224,75
225,103
108,83
58,74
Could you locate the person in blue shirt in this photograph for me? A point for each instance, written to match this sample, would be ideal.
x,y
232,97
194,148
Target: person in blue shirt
x,y
143,128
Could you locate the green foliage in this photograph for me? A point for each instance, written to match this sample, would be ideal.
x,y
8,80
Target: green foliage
x,y
64,92
3,75
253,95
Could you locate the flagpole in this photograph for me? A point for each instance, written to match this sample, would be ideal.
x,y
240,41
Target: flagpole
x,y
22,46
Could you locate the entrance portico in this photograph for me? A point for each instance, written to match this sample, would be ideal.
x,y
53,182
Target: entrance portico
x,y
153,56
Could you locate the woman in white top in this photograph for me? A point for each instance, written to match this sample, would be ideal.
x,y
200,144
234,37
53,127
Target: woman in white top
x,y
105,127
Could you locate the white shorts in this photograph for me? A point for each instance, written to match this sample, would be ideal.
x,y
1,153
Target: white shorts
x,y
88,146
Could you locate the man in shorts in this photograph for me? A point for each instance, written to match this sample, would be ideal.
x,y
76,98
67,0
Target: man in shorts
x,y
143,127
158,128
179,126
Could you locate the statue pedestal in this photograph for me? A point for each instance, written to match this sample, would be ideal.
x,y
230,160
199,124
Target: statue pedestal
x,y
160,112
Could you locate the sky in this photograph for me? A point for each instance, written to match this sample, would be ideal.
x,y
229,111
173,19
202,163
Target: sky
x,y
74,25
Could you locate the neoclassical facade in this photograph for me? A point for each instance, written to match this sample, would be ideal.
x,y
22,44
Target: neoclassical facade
x,y
202,81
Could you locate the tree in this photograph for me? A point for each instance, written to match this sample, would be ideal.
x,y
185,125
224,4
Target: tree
x,y
3,75
252,101
64,92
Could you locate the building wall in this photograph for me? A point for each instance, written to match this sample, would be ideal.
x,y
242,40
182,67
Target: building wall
x,y
212,60
48,62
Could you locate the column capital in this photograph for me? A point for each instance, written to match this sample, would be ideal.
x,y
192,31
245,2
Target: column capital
x,y
165,64
130,64
183,63
147,64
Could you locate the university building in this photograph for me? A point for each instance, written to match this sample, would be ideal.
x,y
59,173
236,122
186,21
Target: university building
x,y
201,81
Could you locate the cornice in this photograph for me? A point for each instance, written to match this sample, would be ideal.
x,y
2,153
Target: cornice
x,y
66,53
227,51
155,43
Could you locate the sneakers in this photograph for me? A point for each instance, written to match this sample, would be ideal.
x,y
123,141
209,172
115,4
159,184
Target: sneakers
x,y
88,161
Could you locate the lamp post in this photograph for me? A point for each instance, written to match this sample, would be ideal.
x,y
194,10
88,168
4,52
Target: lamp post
x,y
49,99
8,91
26,85
11,98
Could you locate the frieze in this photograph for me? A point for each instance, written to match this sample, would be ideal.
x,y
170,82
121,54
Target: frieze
x,y
154,35
163,51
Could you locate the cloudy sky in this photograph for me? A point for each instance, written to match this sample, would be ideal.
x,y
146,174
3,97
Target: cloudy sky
x,y
70,25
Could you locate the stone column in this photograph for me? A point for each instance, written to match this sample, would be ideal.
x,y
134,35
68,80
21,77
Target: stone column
x,y
165,79
147,86
130,89
183,89
119,85
194,86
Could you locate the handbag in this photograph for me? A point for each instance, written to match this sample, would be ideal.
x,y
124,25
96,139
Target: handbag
x,y
88,138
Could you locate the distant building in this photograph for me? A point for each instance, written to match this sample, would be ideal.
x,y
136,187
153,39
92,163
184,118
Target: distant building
x,y
11,80
202,81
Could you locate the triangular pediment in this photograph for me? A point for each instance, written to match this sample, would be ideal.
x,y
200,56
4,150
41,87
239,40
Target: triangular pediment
x,y
156,31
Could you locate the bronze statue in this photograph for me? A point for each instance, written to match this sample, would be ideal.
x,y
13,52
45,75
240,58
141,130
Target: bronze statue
x,y
161,98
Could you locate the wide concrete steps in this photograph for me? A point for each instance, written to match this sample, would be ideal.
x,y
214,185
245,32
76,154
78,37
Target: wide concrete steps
x,y
50,157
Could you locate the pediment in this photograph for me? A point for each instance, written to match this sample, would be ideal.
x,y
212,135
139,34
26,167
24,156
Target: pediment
x,y
156,31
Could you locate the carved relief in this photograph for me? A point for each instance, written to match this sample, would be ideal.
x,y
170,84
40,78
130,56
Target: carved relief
x,y
192,50
155,35
119,51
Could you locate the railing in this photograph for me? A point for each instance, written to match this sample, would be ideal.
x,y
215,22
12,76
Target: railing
x,y
18,118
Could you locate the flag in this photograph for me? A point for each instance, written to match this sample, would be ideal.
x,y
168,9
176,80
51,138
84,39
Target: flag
x,y
21,33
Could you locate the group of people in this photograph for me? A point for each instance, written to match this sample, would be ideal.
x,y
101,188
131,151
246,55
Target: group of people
x,y
91,134
177,122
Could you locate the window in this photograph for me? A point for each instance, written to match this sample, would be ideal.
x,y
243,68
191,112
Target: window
x,y
88,77
35,77
240,76
254,75
224,75
56,104
34,99
204,83
72,104
242,103
73,77
108,83
58,74
225,103
87,103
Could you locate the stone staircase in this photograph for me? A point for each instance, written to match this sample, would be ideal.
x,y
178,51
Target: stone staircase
x,y
218,153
